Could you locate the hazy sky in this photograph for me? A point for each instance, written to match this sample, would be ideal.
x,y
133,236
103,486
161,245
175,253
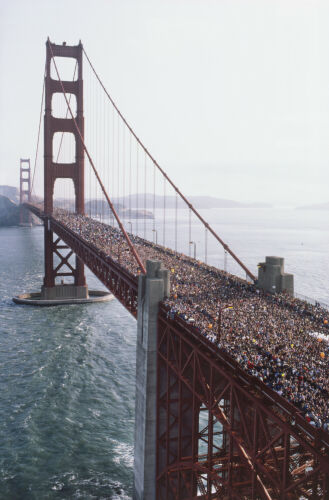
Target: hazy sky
x,y
231,97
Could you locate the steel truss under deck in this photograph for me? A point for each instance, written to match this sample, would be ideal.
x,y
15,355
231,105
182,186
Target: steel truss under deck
x,y
220,432
224,434
121,283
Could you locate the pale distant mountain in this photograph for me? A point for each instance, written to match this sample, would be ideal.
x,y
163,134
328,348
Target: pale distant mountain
x,y
9,212
101,208
318,206
146,202
137,202
157,201
10,192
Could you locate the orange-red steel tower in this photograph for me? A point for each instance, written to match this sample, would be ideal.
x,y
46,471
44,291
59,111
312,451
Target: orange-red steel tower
x,y
25,190
55,170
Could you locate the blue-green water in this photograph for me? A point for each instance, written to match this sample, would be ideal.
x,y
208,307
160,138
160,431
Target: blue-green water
x,y
66,387
67,373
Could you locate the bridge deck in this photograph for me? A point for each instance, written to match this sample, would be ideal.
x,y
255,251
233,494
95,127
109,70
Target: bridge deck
x,y
271,337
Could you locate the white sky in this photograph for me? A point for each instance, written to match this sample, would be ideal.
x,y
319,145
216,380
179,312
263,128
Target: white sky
x,y
230,96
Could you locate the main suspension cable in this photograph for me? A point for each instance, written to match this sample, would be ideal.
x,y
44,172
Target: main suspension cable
x,y
66,115
191,207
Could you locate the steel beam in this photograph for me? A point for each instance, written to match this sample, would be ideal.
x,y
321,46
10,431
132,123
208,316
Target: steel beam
x,y
262,451
221,433
53,170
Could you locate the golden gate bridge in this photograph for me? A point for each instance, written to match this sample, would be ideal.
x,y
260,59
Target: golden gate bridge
x,y
205,426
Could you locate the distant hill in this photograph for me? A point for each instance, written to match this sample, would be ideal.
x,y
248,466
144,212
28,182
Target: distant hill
x,y
197,202
318,206
101,208
136,203
9,212
96,207
10,192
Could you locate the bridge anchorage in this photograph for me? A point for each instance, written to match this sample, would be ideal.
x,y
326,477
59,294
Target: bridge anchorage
x,y
207,425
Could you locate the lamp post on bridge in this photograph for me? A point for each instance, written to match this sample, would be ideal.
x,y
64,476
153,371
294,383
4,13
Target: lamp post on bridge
x,y
131,226
221,309
219,324
194,251
156,235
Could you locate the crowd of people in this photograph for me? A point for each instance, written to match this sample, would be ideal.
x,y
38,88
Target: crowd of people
x,y
279,339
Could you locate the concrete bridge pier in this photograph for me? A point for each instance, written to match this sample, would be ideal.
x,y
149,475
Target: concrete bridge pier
x,y
152,288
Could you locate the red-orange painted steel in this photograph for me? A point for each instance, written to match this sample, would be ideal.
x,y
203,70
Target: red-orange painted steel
x,y
110,273
173,185
221,433
53,170
85,149
24,189
250,444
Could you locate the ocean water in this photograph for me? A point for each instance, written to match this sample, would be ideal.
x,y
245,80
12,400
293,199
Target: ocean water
x,y
67,373
66,387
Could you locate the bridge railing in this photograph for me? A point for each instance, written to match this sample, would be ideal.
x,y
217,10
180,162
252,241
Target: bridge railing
x,y
312,301
125,286
254,443
108,271
288,414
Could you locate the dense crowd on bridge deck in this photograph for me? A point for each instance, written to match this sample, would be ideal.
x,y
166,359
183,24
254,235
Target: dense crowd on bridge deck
x,y
268,335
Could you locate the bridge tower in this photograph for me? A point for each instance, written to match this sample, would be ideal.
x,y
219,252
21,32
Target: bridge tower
x,y
54,170
25,190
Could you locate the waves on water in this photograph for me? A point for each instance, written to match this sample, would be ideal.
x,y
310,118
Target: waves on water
x,y
67,388
67,374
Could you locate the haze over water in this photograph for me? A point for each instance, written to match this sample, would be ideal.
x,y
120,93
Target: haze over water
x,y
67,373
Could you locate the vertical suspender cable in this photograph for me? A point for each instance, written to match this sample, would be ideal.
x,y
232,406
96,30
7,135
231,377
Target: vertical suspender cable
x,y
123,171
189,232
99,152
94,130
89,168
94,193
118,169
144,196
130,153
100,159
108,150
104,153
164,211
131,246
224,245
66,115
64,111
154,172
113,157
137,193
176,203
39,130
96,149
